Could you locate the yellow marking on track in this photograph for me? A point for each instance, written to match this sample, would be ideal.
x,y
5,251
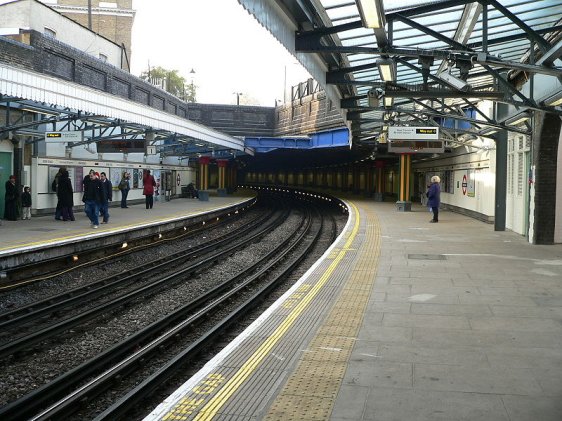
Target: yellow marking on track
x,y
218,401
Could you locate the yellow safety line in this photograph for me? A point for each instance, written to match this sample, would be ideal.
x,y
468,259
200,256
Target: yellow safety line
x,y
216,403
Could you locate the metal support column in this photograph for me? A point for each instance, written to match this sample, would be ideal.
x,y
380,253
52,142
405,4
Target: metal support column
x,y
379,190
204,172
501,181
404,204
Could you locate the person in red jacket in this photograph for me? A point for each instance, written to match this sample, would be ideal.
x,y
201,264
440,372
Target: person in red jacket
x,y
148,188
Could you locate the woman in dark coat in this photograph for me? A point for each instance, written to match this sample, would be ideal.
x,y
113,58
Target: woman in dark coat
x,y
65,196
148,188
10,200
434,197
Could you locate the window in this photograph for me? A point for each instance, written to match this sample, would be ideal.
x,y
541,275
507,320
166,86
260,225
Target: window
x,y
510,165
50,32
520,172
518,148
448,181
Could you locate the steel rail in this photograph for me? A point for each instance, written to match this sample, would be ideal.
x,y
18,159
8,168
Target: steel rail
x,y
28,404
64,258
144,389
93,290
27,341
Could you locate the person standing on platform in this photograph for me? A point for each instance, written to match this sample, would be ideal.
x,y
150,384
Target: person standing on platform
x,y
434,197
10,199
148,188
54,187
124,186
92,197
87,179
65,194
107,196
26,203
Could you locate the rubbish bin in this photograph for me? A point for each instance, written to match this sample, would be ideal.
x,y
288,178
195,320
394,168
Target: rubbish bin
x,y
402,206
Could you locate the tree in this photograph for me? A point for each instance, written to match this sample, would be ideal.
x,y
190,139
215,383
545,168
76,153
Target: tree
x,y
171,81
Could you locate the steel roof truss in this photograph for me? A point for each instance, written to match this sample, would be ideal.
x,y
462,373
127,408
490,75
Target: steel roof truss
x,y
542,43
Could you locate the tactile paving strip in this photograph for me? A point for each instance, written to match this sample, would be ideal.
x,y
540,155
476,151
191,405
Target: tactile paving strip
x,y
310,391
313,331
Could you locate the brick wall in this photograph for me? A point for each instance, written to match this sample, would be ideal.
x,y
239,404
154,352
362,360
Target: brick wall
x,y
49,56
310,114
236,120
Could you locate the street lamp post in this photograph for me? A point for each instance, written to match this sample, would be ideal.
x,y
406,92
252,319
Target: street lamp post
x,y
192,86
238,95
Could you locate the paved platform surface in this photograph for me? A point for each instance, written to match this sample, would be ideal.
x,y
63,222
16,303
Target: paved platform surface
x,y
402,320
45,229
463,323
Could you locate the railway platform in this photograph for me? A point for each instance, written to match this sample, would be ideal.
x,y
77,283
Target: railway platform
x,y
400,320
43,237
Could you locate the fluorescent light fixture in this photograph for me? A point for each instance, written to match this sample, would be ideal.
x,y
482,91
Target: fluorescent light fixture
x,y
387,69
554,100
518,118
372,13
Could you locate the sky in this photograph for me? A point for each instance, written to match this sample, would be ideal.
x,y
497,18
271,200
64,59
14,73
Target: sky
x,y
225,46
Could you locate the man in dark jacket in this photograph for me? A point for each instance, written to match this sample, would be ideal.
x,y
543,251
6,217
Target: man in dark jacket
x,y
92,197
106,197
10,200
55,188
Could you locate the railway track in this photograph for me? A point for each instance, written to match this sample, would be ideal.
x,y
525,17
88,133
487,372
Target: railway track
x,y
199,259
183,334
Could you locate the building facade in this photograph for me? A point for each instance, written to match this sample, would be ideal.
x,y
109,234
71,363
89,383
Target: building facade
x,y
111,19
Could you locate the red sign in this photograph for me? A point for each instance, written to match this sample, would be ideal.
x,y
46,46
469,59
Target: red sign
x,y
464,185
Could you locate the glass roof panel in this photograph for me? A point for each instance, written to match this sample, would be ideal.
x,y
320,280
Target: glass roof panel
x,y
506,40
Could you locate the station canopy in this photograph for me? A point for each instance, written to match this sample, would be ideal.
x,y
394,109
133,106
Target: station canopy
x,y
421,63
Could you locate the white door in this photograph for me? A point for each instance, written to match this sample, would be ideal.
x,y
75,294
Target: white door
x,y
518,156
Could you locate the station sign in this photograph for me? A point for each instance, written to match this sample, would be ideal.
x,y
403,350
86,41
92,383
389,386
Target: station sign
x,y
121,146
413,133
411,139
63,137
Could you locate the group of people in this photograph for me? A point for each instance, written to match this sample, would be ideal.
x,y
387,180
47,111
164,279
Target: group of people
x,y
11,198
97,193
